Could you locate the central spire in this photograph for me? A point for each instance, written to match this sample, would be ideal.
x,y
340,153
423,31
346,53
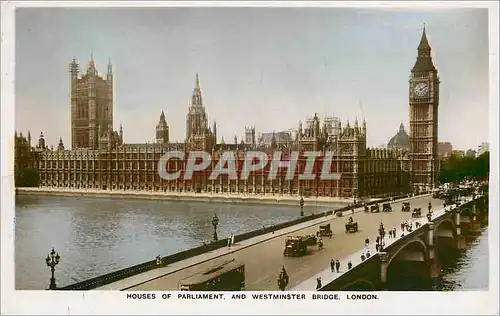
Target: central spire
x,y
196,100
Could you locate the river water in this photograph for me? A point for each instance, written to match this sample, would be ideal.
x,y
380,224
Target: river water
x,y
95,236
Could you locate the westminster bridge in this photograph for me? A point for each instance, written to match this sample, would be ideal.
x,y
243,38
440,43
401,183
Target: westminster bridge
x,y
262,252
414,256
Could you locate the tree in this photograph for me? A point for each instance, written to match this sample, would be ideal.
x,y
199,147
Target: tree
x,y
457,168
27,177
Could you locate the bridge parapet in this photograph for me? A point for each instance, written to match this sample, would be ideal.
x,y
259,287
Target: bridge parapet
x,y
418,246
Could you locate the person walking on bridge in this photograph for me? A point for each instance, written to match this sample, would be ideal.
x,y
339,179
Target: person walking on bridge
x,y
332,265
318,283
337,266
367,242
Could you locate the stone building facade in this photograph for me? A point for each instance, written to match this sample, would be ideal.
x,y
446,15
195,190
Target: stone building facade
x,y
101,160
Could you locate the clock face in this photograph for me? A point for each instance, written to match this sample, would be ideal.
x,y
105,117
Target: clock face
x,y
421,89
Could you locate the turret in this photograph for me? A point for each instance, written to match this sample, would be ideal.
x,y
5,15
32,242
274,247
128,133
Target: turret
x,y
215,130
73,69
273,141
60,146
29,139
162,130
92,70
109,75
41,141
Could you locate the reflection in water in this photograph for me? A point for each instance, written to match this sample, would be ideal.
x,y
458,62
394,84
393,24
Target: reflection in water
x,y
470,271
466,269
100,235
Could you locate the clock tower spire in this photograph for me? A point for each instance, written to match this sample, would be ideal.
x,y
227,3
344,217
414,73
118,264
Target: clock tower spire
x,y
423,103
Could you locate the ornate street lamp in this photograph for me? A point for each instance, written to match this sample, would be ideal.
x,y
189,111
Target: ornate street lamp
x,y
215,222
52,260
301,206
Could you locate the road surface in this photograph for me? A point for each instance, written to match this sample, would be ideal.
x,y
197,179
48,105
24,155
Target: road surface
x,y
263,261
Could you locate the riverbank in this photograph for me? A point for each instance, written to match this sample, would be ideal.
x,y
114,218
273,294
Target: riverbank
x,y
189,196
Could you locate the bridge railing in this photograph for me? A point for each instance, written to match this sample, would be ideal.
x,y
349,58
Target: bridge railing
x,y
182,255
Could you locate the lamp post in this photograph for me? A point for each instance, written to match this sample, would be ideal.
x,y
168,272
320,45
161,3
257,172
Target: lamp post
x,y
215,222
52,260
301,206
429,216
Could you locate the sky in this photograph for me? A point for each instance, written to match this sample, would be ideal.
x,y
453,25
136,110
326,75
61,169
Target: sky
x,y
261,67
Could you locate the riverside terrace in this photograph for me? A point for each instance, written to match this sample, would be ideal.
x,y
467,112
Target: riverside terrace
x,y
412,254
249,249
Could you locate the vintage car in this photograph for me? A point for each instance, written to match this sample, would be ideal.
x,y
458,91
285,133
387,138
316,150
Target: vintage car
x,y
386,207
351,226
405,207
417,212
324,231
375,208
297,245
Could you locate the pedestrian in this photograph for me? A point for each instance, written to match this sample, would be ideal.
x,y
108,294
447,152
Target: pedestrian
x,y
363,257
229,243
349,265
318,283
403,226
332,265
367,242
337,266
232,239
390,234
394,232
368,254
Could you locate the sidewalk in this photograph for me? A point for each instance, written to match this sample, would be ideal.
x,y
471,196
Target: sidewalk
x,y
242,198
181,265
327,276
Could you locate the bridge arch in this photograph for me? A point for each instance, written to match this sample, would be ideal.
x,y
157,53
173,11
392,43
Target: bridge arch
x,y
413,271
444,227
413,244
359,285
447,222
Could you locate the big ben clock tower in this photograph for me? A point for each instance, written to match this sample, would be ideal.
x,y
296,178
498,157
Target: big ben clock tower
x,y
424,101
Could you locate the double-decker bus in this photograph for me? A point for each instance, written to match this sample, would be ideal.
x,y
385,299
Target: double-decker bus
x,y
228,276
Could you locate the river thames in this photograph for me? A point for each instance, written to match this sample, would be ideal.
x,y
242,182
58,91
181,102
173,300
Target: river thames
x,y
101,235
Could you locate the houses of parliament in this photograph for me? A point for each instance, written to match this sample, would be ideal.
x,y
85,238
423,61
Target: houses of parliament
x,y
100,159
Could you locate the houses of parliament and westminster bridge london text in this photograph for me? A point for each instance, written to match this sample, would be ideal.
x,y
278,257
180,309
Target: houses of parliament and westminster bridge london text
x,y
100,159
